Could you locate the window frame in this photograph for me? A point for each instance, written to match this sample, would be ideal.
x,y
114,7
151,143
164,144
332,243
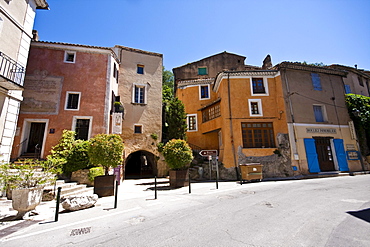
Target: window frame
x,y
271,142
67,100
316,81
141,128
140,69
66,55
203,68
76,118
195,116
323,113
144,90
208,92
259,106
265,85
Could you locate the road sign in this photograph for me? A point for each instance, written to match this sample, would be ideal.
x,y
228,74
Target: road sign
x,y
208,152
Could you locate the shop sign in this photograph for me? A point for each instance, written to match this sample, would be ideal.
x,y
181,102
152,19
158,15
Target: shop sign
x,y
321,130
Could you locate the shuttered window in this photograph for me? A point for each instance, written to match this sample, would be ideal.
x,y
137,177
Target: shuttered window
x,y
258,135
318,111
316,82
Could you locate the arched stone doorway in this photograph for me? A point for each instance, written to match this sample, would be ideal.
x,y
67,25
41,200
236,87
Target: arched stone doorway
x,y
140,164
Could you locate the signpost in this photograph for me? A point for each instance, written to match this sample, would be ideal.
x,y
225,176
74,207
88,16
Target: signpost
x,y
212,156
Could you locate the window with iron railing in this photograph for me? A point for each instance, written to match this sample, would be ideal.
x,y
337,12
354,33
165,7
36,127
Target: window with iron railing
x,y
11,70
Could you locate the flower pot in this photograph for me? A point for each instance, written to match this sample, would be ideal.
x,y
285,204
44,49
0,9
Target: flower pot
x,y
104,185
26,199
179,178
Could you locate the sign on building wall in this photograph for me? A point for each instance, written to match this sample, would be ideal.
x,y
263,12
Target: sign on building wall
x,y
321,130
117,123
352,130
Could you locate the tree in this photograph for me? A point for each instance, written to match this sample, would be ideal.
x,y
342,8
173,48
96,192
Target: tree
x,y
177,154
167,85
106,150
176,120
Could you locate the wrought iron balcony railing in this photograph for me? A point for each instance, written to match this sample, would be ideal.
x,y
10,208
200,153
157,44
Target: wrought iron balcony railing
x,y
11,71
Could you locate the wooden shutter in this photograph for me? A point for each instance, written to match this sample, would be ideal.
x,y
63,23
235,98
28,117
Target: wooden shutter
x,y
341,155
312,160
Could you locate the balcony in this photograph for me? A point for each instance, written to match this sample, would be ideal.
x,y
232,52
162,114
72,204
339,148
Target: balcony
x,y
11,73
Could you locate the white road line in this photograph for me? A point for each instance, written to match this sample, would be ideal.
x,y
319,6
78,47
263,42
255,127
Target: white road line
x,y
68,225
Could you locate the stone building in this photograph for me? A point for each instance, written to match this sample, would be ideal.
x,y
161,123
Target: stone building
x,y
16,23
67,86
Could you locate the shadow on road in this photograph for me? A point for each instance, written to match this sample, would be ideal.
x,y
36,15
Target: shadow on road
x,y
361,214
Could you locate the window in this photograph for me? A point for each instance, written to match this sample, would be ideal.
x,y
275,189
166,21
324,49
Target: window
x,y
360,81
140,69
202,71
73,101
211,112
69,56
255,107
139,96
191,120
258,135
319,113
81,125
138,129
258,86
316,82
347,88
204,92
115,72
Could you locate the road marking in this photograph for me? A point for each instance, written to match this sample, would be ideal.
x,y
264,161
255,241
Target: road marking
x,y
353,201
68,225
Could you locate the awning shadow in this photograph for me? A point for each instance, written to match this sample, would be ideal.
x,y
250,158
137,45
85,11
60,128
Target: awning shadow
x,y
363,214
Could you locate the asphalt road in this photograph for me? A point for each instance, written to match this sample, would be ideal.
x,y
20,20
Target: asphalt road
x,y
313,212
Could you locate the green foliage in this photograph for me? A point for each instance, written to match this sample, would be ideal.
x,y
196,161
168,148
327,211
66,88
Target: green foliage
x,y
106,150
62,150
177,154
167,78
176,120
321,64
27,174
94,172
78,157
154,136
359,105
160,147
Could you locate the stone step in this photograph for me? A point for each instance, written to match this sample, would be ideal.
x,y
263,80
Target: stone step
x,y
86,191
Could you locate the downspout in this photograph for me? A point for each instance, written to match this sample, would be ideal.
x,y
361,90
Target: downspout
x,y
231,127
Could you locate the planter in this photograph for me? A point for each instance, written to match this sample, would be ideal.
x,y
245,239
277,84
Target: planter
x,y
104,185
179,178
25,200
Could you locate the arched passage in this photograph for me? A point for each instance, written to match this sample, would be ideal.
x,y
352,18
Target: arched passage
x,y
140,164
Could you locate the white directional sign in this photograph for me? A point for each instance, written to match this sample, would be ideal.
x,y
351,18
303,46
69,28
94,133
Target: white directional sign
x,y
208,152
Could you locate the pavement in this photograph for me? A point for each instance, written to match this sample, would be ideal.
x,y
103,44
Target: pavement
x,y
128,189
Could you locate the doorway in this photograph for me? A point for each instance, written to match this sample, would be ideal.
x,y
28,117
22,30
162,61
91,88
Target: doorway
x,y
35,138
140,164
324,153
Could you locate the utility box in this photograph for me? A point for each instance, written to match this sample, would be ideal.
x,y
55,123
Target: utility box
x,y
252,171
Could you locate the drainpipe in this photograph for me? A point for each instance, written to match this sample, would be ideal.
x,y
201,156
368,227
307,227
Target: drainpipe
x,y
231,127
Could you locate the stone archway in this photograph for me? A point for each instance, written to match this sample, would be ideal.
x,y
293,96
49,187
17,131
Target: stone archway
x,y
140,164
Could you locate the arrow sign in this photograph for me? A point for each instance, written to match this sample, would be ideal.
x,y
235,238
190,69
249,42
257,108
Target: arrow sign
x,y
208,152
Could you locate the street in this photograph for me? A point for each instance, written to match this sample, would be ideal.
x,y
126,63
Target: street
x,y
312,212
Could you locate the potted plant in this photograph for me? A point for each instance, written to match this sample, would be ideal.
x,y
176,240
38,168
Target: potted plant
x,y
25,181
105,150
178,156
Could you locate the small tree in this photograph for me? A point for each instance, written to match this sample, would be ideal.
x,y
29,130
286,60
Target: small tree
x,y
106,150
177,154
176,119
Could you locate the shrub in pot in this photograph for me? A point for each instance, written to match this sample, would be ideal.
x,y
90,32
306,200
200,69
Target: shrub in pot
x,y
178,156
26,182
105,150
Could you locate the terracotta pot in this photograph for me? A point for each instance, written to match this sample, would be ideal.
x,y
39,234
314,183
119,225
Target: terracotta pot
x,y
26,199
179,178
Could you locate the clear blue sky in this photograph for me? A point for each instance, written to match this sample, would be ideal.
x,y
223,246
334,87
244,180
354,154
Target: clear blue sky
x,y
327,31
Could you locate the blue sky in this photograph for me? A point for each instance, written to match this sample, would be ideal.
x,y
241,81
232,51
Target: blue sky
x,y
327,31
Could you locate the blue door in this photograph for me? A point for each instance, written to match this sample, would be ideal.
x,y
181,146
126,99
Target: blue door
x,y
312,160
341,155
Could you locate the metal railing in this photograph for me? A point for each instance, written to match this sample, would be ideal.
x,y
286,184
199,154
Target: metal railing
x,y
11,70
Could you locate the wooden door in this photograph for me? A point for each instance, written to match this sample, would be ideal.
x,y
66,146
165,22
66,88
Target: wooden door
x,y
324,153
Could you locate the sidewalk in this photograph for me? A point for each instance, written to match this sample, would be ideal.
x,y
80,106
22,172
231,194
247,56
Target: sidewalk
x,y
129,189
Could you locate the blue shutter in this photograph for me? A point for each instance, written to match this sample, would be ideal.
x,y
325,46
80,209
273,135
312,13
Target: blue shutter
x,y
317,110
341,155
347,88
316,81
312,161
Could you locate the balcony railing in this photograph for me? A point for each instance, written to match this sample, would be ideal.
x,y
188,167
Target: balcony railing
x,y
11,71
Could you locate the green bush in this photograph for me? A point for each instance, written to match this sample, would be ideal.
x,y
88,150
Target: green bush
x,y
78,157
106,150
94,172
177,154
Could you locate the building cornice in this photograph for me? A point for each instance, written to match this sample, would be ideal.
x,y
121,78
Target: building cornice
x,y
311,68
138,51
183,83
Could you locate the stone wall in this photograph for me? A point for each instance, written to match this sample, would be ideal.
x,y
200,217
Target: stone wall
x,y
81,177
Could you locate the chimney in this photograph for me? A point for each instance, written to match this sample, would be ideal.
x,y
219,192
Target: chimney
x,y
267,64
35,35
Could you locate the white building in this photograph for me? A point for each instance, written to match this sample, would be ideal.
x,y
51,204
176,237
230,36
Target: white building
x,y
16,24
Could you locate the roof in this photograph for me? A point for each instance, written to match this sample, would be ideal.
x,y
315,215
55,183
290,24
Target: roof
x,y
139,51
41,4
218,54
182,83
312,68
363,73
